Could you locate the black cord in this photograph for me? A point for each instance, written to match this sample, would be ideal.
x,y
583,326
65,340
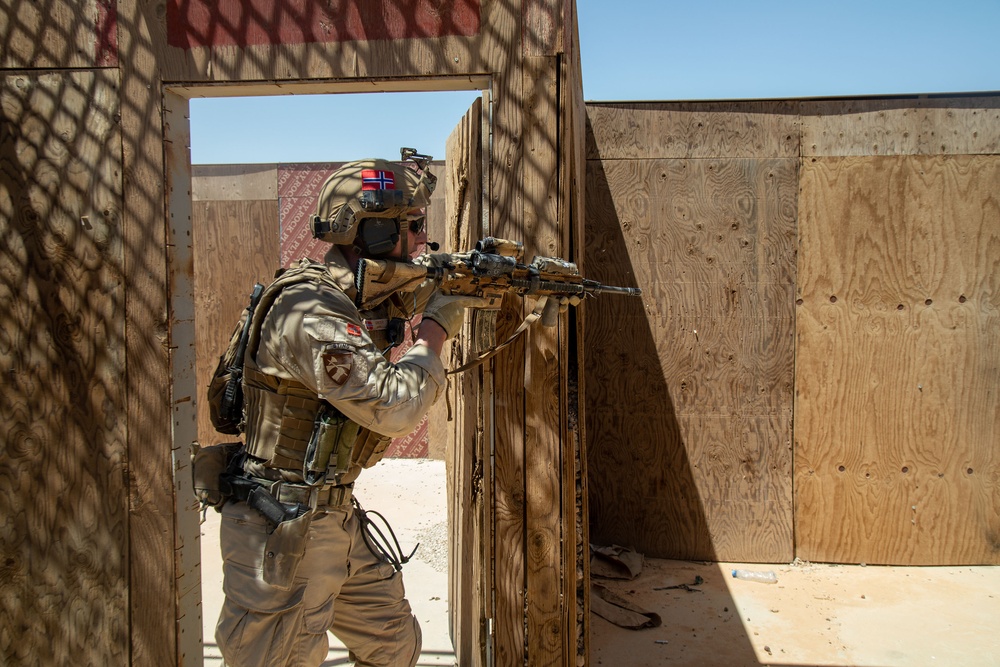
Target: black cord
x,y
376,541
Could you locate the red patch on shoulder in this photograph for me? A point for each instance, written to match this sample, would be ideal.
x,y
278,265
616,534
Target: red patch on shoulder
x,y
353,329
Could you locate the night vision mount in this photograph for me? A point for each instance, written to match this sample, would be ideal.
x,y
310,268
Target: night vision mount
x,y
411,155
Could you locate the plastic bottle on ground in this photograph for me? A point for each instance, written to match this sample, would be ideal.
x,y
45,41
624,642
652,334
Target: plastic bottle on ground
x,y
753,575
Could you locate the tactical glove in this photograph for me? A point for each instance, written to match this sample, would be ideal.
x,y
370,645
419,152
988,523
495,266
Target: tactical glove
x,y
449,310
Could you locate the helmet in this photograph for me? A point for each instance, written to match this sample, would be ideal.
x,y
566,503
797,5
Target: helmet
x,y
369,190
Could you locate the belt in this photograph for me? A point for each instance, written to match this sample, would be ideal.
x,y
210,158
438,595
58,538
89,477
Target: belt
x,y
316,497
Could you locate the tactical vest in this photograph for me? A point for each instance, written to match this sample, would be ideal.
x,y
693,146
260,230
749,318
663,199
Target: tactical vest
x,y
284,418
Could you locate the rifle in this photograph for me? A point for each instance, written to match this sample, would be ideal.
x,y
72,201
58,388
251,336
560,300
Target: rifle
x,y
488,272
231,409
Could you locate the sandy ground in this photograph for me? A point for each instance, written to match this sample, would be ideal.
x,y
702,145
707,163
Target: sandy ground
x,y
815,615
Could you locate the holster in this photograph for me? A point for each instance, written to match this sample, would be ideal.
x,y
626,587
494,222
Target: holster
x,y
284,549
289,528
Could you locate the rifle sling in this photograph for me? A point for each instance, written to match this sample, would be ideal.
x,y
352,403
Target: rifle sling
x,y
532,317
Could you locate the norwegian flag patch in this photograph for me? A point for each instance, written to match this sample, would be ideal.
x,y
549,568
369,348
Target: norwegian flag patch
x,y
353,329
377,179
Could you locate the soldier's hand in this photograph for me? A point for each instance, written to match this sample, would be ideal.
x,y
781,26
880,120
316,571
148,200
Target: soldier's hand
x,y
448,310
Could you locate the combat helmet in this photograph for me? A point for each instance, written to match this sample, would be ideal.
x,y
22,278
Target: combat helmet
x,y
370,197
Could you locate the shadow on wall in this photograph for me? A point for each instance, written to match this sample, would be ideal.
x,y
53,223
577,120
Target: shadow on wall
x,y
642,493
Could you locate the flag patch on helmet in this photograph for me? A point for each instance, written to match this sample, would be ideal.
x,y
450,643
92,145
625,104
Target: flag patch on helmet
x,y
377,179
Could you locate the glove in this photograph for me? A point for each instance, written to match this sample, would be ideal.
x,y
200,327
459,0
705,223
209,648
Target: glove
x,y
448,310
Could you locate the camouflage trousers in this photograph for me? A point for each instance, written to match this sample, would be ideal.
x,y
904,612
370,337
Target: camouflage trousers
x,y
339,587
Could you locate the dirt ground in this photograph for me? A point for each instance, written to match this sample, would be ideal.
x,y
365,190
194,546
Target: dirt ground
x,y
815,615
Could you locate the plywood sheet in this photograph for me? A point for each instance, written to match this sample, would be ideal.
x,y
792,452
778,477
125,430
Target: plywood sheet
x,y
903,126
897,418
299,40
58,34
234,182
689,419
63,494
235,246
630,130
469,579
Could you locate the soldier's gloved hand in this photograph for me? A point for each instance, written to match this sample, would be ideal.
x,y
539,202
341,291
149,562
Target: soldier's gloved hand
x,y
448,310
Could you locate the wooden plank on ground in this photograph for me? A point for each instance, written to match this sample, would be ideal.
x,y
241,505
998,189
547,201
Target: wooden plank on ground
x,y
63,490
896,414
694,408
236,244
901,126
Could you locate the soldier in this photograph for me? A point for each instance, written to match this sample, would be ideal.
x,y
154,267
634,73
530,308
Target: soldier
x,y
321,403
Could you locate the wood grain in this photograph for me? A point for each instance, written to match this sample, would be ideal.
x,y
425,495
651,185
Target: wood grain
x,y
901,126
63,494
506,220
691,401
470,587
630,130
896,405
58,34
234,182
544,384
236,244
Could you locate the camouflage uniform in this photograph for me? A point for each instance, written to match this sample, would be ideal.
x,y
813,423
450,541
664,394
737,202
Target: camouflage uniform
x,y
313,337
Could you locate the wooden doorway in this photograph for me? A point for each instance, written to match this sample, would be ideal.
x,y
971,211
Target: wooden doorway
x,y
186,390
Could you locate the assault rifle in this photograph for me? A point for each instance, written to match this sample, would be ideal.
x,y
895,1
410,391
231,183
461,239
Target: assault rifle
x,y
490,271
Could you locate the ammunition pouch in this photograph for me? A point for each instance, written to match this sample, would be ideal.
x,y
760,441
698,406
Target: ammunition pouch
x,y
369,448
329,448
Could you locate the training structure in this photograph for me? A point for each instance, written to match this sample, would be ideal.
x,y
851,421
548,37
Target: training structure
x,y
833,260
811,371
101,537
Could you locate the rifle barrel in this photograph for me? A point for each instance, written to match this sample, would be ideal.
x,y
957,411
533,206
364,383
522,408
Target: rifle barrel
x,y
628,291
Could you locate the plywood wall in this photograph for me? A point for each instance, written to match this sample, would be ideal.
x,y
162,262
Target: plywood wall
x,y
808,264
64,485
694,408
154,56
898,299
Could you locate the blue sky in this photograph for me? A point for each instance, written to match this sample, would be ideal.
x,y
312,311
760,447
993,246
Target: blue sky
x,y
649,50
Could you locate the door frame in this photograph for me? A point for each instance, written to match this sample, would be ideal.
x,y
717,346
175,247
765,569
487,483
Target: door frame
x,y
184,392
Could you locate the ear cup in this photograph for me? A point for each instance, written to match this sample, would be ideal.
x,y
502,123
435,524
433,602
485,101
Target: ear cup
x,y
378,236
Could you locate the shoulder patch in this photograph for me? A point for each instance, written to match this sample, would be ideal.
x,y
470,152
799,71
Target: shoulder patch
x,y
338,365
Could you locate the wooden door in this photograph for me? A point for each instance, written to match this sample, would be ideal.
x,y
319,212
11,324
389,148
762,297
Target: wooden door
x,y
467,454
